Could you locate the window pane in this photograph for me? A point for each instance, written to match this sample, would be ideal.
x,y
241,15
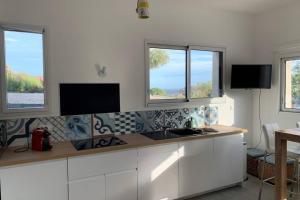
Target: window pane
x,y
24,69
167,73
292,90
204,74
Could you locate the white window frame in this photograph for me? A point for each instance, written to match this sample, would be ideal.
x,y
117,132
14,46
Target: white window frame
x,y
20,112
283,60
187,48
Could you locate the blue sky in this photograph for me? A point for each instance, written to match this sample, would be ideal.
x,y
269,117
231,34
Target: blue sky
x,y
172,74
24,52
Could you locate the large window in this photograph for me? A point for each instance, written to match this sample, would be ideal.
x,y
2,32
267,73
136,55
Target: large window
x,y
22,69
183,73
290,85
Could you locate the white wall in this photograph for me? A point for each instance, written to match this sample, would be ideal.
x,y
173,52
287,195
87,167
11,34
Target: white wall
x,y
82,33
273,30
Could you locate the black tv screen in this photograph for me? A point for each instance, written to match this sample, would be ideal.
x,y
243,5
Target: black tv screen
x,y
78,99
251,76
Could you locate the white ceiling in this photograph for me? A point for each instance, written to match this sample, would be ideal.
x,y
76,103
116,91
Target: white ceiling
x,y
249,6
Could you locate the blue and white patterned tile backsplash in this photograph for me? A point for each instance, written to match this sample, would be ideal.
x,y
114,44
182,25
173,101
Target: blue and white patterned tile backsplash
x,y
85,126
15,127
125,123
78,127
176,118
198,115
211,116
103,124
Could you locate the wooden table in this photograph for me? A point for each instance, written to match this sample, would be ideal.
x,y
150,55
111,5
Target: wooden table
x,y
281,138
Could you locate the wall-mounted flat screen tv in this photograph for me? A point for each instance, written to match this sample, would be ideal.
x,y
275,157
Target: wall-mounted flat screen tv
x,y
251,76
89,98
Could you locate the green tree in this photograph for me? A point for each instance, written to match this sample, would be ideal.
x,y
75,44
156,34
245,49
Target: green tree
x,y
202,90
158,57
158,91
21,82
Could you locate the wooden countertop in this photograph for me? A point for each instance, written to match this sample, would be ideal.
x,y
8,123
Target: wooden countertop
x,y
66,149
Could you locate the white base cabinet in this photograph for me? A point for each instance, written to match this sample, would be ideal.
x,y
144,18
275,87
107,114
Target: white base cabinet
x,y
122,185
158,172
116,186
164,171
45,180
90,189
105,176
228,160
195,167
103,163
208,164
161,172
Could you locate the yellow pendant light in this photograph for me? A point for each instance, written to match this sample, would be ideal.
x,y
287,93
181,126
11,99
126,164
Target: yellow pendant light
x,y
142,9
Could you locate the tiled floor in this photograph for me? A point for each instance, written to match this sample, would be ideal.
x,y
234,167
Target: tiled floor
x,y
248,191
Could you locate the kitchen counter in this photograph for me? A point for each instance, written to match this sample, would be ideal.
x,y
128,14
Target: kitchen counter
x,y
66,149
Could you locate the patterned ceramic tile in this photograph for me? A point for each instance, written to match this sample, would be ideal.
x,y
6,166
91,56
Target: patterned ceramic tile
x,y
15,126
211,115
103,124
176,118
125,123
78,127
55,126
159,119
17,131
170,118
149,120
198,116
143,124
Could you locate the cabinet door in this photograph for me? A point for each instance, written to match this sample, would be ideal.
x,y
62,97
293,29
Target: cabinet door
x,y
47,181
102,163
158,172
122,185
228,160
90,189
195,167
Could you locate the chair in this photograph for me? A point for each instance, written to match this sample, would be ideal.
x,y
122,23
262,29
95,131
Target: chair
x,y
269,135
